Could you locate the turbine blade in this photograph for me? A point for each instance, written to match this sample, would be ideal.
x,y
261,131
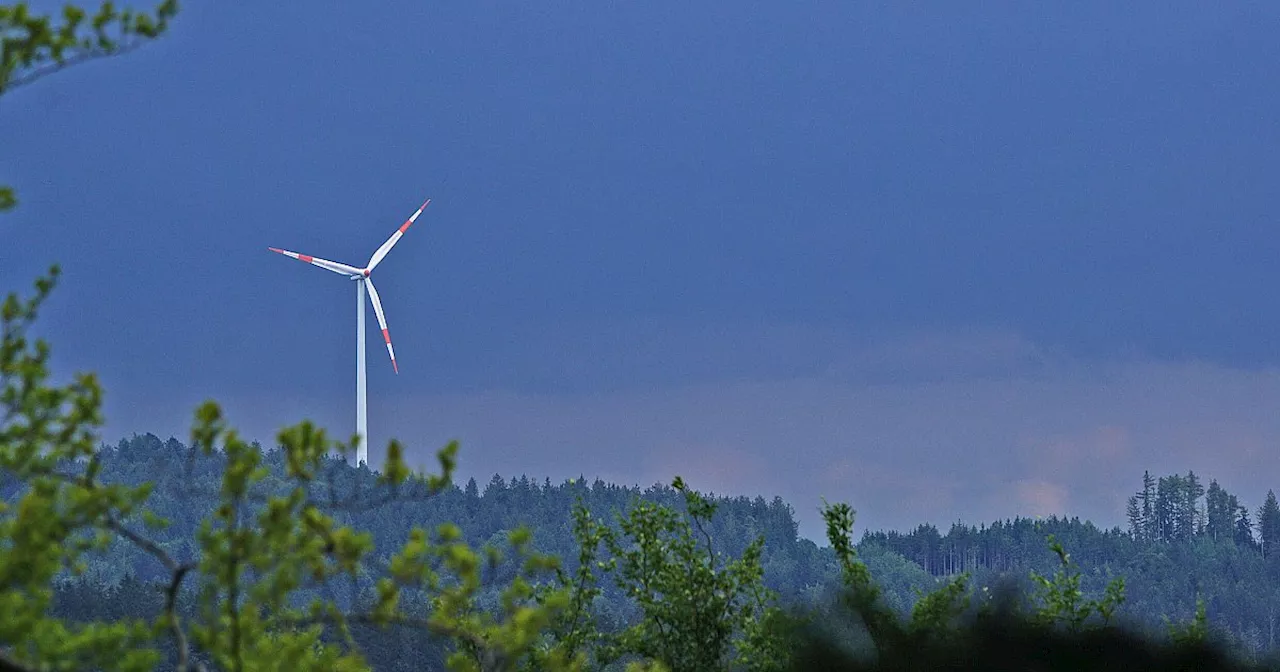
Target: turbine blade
x,y
395,237
334,266
382,321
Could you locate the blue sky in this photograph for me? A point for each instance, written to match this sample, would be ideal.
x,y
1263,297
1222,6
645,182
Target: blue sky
x,y
941,262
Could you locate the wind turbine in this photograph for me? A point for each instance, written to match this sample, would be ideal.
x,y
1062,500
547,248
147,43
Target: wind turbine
x,y
363,281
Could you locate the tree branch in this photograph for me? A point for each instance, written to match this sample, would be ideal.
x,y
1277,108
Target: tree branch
x,y
178,571
57,66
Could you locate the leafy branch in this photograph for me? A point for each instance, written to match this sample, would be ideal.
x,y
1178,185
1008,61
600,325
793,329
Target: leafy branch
x,y
1062,600
34,46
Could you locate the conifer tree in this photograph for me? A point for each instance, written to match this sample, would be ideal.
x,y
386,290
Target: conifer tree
x,y
1219,513
1244,526
1147,499
1269,525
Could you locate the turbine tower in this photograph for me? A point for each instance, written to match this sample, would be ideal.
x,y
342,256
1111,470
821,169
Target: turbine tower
x,y
363,281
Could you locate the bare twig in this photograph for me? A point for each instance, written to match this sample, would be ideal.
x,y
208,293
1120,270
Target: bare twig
x,y
175,625
178,571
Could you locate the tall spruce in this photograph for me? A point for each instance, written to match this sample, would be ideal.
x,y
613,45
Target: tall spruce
x,y
1219,513
1187,517
1134,512
1269,525
1148,500
1244,526
1165,508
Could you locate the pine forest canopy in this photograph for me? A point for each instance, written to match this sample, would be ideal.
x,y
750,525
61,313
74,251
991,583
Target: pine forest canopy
x,y
1163,576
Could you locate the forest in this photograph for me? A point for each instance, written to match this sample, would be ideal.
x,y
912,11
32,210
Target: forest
x,y
1233,572
1186,544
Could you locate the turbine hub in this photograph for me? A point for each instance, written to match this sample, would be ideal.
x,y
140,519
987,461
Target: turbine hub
x,y
365,272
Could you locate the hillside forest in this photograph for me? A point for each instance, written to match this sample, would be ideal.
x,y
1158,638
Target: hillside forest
x,y
1187,544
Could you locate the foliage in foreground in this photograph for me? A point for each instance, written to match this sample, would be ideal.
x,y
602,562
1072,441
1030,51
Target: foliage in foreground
x,y
259,552
34,45
267,557
1059,629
